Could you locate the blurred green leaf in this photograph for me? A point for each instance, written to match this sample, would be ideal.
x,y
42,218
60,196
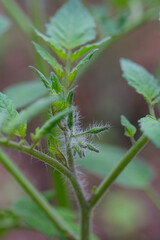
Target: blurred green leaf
x,y
4,24
125,213
25,93
28,113
136,175
8,221
72,26
142,81
33,216
130,130
8,113
151,129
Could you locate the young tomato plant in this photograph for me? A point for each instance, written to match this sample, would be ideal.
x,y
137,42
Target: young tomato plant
x,y
70,34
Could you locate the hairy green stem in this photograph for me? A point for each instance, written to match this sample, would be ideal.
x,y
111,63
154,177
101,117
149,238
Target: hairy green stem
x,y
38,155
106,183
36,196
18,16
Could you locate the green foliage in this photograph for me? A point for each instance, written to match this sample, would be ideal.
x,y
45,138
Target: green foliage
x,y
55,83
25,93
42,77
142,81
8,221
70,96
71,27
51,123
83,50
34,217
4,24
28,113
96,130
130,130
61,53
50,59
151,129
9,114
109,24
71,76
137,174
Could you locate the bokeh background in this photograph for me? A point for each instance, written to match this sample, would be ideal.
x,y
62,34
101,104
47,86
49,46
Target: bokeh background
x,y
103,95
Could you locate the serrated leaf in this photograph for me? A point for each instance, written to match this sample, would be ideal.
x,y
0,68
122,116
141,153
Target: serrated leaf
x,y
42,77
83,50
137,174
151,129
61,53
71,76
142,81
72,26
52,122
50,59
4,24
25,93
7,108
130,130
28,113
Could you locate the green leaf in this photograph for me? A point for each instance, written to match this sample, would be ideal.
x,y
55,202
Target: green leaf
x,y
83,50
151,129
8,221
42,77
25,93
72,26
34,217
141,80
4,24
9,113
70,96
136,175
71,76
55,83
28,113
61,53
51,60
52,122
130,130
124,212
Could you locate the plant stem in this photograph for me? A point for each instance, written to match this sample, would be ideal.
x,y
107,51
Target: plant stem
x,y
38,155
86,214
36,196
18,16
106,183
59,183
